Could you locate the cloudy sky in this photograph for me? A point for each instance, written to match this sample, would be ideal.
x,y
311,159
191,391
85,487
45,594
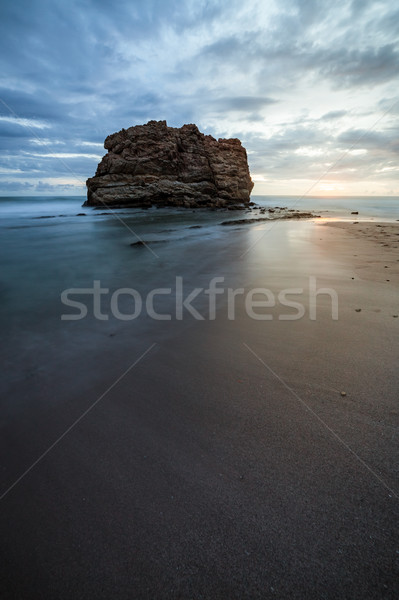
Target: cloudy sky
x,y
311,87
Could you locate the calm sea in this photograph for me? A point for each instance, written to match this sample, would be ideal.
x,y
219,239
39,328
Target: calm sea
x,y
52,243
384,207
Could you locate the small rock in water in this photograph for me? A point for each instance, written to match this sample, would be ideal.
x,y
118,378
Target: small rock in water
x,y
355,212
343,393
358,309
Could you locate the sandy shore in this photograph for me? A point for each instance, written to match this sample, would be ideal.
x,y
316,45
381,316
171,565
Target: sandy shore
x,y
385,248
239,458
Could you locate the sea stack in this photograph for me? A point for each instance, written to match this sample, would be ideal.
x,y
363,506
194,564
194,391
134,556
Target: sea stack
x,y
154,164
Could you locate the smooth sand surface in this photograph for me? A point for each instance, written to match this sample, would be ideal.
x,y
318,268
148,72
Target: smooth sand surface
x,y
226,463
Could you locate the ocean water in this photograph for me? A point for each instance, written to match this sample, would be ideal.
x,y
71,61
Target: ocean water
x,y
58,207
46,247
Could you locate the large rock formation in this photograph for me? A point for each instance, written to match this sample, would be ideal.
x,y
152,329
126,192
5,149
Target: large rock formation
x,y
156,164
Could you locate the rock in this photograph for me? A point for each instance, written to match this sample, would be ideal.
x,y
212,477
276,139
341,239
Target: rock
x,y
355,212
154,164
145,243
358,310
244,221
343,394
302,215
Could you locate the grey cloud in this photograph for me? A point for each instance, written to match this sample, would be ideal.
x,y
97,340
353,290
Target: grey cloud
x,y
44,187
277,156
387,140
296,137
254,117
42,106
345,57
245,103
16,186
11,130
334,114
358,7
389,105
371,66
390,23
228,47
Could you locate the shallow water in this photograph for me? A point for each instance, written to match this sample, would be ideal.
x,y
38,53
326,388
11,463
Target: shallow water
x,y
46,247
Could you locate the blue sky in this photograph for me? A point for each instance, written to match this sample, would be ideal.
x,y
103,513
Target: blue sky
x,y
310,87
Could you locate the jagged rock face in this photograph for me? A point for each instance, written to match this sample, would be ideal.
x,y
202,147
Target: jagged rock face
x,y
156,164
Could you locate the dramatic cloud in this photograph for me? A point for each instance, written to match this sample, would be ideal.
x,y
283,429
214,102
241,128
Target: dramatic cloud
x,y
309,86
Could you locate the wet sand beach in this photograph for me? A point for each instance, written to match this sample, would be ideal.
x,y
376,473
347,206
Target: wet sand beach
x,y
225,458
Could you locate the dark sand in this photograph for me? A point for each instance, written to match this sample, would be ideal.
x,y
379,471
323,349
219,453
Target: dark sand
x,y
202,474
